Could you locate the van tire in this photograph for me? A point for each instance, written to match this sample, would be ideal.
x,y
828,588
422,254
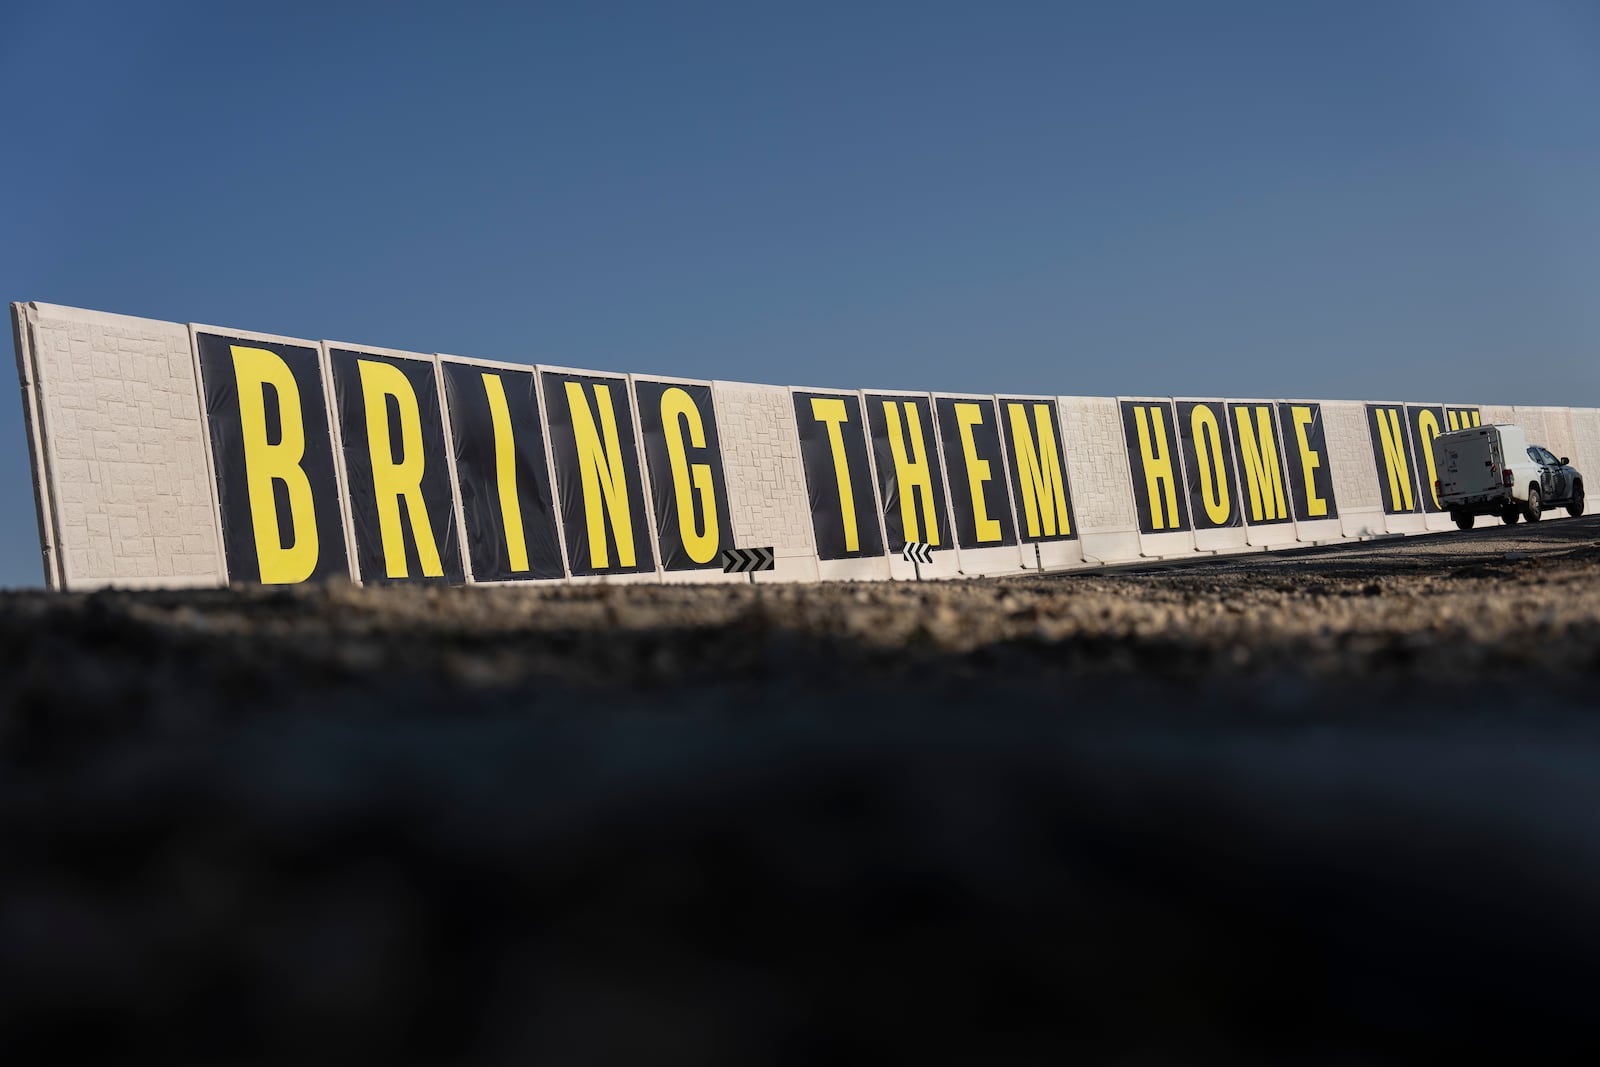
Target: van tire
x,y
1533,508
1464,519
1575,508
1510,515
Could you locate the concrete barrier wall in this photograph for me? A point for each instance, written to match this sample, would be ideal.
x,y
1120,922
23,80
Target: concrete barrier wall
x,y
1586,451
1040,482
120,475
766,476
836,457
1356,478
1312,498
1211,475
977,483
1151,439
1263,481
1102,487
172,455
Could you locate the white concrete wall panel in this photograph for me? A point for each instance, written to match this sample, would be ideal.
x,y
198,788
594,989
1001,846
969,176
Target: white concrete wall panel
x,y
1224,539
1164,544
1308,530
1355,475
1558,424
767,498
1532,421
621,382
702,576
125,493
948,558
861,568
1586,453
1414,522
1044,555
444,358
1263,534
979,561
1097,469
130,493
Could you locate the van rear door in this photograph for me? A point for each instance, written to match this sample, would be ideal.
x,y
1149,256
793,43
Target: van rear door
x,y
1468,462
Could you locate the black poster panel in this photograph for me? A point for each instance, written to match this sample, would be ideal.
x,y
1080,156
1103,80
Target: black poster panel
x,y
276,480
501,472
1310,479
1462,418
1392,458
971,436
599,488
1264,494
684,457
1148,431
909,478
1426,422
833,448
1032,433
1209,471
392,434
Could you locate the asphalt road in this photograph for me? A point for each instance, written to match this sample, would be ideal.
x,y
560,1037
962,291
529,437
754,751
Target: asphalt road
x,y
1330,806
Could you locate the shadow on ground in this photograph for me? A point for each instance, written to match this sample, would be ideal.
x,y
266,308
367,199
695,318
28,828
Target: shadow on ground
x,y
1305,810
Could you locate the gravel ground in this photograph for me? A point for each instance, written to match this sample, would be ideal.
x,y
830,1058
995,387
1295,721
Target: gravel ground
x,y
1327,807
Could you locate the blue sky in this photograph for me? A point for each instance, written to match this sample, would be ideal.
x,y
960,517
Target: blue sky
x,y
1342,199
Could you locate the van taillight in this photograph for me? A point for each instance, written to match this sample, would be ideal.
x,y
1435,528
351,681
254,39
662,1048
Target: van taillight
x,y
1508,476
1438,487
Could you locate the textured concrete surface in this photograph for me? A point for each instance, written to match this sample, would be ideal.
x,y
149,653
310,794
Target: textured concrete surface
x,y
1102,485
1354,470
120,450
766,476
131,497
1325,807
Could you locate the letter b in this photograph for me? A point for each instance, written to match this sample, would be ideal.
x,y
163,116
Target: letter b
x,y
255,370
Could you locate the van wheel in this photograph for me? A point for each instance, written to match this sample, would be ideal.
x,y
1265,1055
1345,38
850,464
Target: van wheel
x,y
1510,515
1464,519
1576,507
1531,510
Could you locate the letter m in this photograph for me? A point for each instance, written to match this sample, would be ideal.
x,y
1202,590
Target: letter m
x,y
1044,494
1259,456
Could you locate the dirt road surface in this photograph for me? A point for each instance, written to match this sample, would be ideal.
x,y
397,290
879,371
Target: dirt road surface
x,y
1319,807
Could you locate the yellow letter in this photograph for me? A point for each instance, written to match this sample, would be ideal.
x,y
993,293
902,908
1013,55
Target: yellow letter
x,y
1044,494
391,481
967,416
1157,468
675,405
1394,458
254,369
1309,461
912,473
1213,471
830,411
1428,425
505,472
605,479
1260,461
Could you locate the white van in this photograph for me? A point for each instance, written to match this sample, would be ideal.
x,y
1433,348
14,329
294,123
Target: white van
x,y
1493,470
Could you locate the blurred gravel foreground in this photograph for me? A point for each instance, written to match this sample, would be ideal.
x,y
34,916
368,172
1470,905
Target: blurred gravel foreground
x,y
1329,808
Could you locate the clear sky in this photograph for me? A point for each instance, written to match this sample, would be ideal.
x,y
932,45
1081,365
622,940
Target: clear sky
x,y
1394,199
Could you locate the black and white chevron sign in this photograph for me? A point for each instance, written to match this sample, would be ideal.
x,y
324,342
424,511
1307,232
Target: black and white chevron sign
x,y
917,552
745,560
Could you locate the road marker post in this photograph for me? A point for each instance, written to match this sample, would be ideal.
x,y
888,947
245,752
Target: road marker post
x,y
917,553
748,561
